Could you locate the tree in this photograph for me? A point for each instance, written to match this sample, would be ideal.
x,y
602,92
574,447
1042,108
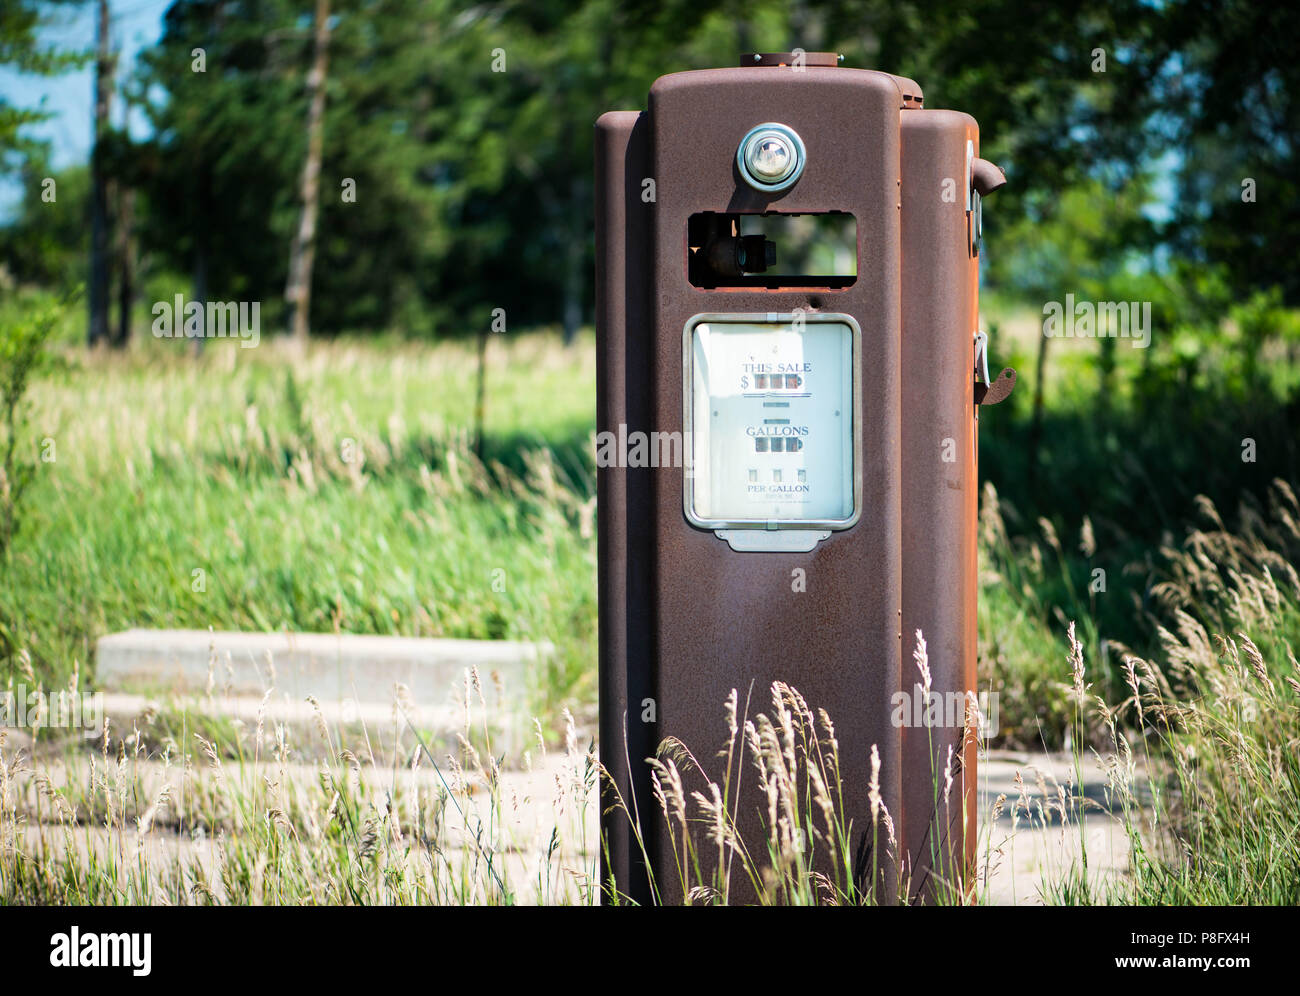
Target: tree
x,y
46,242
217,180
19,21
100,228
1232,103
297,293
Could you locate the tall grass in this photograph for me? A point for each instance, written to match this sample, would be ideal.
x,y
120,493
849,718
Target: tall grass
x,y
253,489
803,852
1225,711
1203,754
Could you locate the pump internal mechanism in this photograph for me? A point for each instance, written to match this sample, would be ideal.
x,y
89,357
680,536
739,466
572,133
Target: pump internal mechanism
x,y
772,250
720,253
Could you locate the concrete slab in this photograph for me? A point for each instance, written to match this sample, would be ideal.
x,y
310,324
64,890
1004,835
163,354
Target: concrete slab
x,y
174,864
123,707
1019,852
381,729
331,667
540,825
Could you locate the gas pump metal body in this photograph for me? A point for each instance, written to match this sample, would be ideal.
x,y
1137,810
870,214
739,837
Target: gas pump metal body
x,y
684,617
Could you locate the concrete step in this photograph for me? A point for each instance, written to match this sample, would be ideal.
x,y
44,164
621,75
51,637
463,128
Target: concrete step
x,y
331,667
124,707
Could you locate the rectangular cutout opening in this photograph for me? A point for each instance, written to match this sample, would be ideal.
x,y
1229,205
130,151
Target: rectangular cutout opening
x,y
772,250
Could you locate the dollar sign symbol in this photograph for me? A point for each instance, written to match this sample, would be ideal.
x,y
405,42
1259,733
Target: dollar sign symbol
x,y
744,382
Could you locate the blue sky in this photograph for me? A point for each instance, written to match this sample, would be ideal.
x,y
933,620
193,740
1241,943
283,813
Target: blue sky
x,y
135,24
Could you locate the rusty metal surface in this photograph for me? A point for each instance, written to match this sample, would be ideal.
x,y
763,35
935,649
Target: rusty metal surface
x,y
729,620
988,177
625,563
909,91
774,59
998,391
938,482
683,618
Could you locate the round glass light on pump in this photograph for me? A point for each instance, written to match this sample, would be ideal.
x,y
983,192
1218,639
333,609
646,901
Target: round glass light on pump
x,y
771,157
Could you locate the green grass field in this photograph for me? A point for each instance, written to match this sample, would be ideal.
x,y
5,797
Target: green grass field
x,y
251,490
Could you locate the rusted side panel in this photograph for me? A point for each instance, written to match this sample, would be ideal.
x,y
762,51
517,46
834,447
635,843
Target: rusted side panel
x,y
939,489
623,497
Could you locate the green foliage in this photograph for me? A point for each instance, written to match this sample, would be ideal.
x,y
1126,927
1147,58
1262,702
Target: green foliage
x,y
1236,91
20,21
46,244
218,182
1081,241
472,186
1114,484
24,333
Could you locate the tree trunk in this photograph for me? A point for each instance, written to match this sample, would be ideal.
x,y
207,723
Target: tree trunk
x,y
203,211
575,255
125,264
97,330
480,395
1036,426
297,292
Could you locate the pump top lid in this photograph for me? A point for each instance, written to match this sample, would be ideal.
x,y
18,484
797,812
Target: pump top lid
x,y
810,59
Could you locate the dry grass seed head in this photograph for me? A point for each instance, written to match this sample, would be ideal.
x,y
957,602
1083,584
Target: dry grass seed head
x,y
1256,661
922,659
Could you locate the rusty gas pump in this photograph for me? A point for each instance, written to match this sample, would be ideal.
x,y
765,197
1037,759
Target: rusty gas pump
x,y
787,316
